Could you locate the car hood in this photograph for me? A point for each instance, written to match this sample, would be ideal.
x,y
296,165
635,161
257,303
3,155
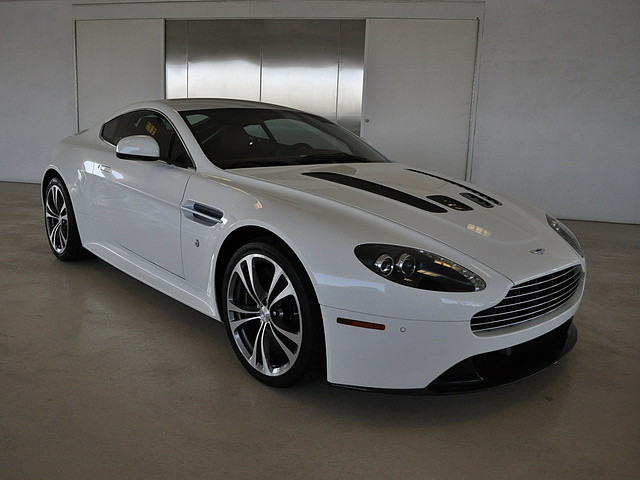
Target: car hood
x,y
501,233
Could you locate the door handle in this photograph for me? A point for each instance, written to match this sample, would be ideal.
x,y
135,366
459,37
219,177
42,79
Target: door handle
x,y
104,168
203,213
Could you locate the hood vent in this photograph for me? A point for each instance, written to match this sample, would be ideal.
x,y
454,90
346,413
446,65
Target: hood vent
x,y
480,201
450,202
377,189
453,182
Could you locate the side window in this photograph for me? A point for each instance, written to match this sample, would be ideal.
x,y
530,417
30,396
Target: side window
x,y
124,126
148,122
108,132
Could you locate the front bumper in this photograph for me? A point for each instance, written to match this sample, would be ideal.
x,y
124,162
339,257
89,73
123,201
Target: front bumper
x,y
499,367
441,356
506,365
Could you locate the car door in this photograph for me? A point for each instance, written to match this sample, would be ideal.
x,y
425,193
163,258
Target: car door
x,y
138,201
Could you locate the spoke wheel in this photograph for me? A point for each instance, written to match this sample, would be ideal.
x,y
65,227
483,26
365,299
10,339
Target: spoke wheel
x,y
60,223
270,315
57,219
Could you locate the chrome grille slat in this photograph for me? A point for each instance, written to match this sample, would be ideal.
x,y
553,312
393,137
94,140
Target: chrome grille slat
x,y
530,312
538,300
495,327
530,300
520,319
534,313
546,278
535,298
568,279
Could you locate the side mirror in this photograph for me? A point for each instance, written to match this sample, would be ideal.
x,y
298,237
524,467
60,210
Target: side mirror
x,y
138,147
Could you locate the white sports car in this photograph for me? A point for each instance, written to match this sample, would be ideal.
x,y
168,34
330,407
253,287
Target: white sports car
x,y
314,249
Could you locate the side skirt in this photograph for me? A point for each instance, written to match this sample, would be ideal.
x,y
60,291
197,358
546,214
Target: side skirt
x,y
156,277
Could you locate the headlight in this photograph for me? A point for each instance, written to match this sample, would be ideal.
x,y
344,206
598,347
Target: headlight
x,y
418,268
565,233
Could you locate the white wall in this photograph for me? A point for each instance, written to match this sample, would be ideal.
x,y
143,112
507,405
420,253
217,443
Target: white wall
x,y
37,85
558,115
558,118
105,49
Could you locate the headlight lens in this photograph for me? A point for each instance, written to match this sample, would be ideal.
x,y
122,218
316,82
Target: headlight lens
x,y
565,233
418,268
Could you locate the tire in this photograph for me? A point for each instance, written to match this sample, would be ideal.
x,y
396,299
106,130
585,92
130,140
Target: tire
x,y
271,314
60,223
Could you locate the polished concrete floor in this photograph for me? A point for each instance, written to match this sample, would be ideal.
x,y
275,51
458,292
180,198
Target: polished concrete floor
x,y
102,377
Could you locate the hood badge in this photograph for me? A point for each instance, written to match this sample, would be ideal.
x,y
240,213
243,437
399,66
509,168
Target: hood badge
x,y
537,251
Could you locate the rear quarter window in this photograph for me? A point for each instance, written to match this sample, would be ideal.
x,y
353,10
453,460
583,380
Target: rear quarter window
x,y
126,125
109,131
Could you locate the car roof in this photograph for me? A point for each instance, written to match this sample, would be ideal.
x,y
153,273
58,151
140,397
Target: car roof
x,y
185,104
190,104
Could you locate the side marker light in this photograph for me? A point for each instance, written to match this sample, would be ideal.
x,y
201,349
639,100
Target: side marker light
x,y
361,324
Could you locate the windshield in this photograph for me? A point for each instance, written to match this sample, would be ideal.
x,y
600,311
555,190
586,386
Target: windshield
x,y
253,137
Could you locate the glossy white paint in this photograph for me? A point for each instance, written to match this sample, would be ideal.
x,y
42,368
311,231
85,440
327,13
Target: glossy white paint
x,y
411,353
130,215
138,204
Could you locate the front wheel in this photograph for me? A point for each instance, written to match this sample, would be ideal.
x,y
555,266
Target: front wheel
x,y
271,314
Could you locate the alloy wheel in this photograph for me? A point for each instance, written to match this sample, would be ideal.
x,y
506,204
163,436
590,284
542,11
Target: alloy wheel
x,y
264,315
57,219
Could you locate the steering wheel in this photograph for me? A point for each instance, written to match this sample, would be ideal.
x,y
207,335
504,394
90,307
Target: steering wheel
x,y
302,146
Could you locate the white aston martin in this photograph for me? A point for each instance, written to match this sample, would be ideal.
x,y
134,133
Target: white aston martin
x,y
314,249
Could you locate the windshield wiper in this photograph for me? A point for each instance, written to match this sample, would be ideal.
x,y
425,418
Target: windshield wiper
x,y
338,157
255,164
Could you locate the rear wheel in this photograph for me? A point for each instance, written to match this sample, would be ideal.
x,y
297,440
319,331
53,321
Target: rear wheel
x,y
60,222
271,314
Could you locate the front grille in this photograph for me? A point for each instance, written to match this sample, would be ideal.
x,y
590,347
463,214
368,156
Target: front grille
x,y
530,300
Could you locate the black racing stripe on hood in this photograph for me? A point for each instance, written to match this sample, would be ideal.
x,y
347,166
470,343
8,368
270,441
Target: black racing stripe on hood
x,y
453,182
377,189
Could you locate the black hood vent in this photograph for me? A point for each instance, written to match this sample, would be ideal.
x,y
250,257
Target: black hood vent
x,y
453,182
475,198
377,189
450,202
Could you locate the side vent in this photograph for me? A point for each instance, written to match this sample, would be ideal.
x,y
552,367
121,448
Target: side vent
x,y
453,182
480,201
450,202
202,214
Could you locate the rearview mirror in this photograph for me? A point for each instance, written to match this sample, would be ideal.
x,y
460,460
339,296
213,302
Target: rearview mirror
x,y
138,147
